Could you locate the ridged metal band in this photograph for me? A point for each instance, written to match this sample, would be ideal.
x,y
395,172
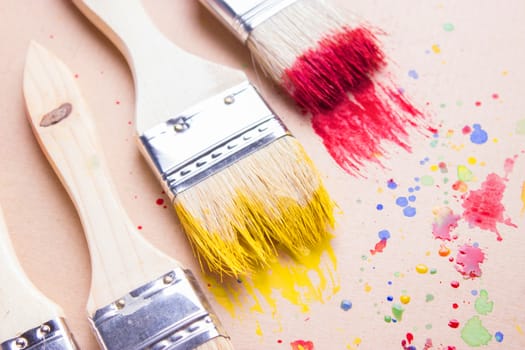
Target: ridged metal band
x,y
169,313
51,335
210,137
242,16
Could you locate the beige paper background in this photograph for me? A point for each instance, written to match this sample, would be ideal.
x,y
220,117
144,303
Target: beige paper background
x,y
483,55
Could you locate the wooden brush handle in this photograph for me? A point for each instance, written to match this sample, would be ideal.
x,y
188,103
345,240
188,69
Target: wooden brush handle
x,y
22,306
121,259
167,78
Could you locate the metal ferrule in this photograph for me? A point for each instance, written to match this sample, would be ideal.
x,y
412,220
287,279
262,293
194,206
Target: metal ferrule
x,y
242,16
169,313
51,335
210,136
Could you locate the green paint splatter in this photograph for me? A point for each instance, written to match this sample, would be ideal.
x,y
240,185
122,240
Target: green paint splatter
x,y
429,298
433,271
464,173
448,27
474,334
397,311
482,305
427,180
388,319
428,326
520,127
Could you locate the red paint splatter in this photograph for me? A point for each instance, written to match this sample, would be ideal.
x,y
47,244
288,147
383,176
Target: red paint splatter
x,y
159,201
478,103
466,130
279,341
355,130
410,338
444,222
455,306
117,102
453,323
302,345
495,96
378,248
320,78
468,259
483,207
454,284
428,344
139,227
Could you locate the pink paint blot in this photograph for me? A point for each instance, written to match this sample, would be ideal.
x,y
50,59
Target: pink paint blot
x,y
483,207
468,260
444,222
356,130
378,248
302,345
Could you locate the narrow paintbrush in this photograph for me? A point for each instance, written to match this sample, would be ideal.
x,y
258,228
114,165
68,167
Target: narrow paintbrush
x,y
327,62
28,320
240,184
139,298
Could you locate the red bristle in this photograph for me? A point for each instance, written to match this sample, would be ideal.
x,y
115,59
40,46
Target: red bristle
x,y
353,132
320,79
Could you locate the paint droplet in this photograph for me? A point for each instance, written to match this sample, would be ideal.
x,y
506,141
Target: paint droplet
x,y
464,173
397,311
279,341
258,329
482,304
478,135
436,48
384,234
448,27
453,323
433,271
428,326
455,305
468,260
405,299
159,201
390,298
391,184
429,298
444,251
498,336
460,186
117,102
302,345
413,74
409,211
421,268
379,206
454,284
346,304
472,160
357,341
427,180
387,318
139,227
474,333
466,130
477,103
368,287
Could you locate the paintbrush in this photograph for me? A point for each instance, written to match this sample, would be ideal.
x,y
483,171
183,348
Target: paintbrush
x,y
28,319
241,185
328,61
140,298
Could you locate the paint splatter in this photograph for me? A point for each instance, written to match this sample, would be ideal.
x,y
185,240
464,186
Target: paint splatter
x,y
311,279
302,345
453,323
436,49
397,311
464,173
421,268
346,304
482,304
448,27
444,222
159,201
413,74
444,251
474,333
379,247
468,260
483,207
498,336
454,284
478,135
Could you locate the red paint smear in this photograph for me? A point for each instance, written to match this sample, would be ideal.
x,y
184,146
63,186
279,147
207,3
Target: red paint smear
x,y
453,323
353,132
302,345
378,248
444,222
483,207
320,78
468,260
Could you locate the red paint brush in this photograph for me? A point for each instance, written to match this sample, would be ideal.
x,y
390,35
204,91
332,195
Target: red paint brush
x,y
327,67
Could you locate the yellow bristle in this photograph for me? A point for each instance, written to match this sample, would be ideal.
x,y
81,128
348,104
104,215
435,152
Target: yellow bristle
x,y
218,343
273,198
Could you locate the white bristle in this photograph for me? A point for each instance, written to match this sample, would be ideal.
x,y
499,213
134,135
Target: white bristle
x,y
277,42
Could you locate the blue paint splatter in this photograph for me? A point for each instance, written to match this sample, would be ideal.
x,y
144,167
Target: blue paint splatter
x,y
402,201
478,136
498,336
379,206
383,234
412,198
413,74
474,292
346,304
391,184
409,211
390,298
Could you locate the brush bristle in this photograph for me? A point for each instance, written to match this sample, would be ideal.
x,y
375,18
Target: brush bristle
x,y
237,218
218,343
310,51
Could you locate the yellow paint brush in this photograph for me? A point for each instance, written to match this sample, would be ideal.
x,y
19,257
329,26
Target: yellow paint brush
x,y
241,185
140,299
28,319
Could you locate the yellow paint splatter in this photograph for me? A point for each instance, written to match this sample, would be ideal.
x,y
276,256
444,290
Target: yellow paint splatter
x,y
495,140
519,329
405,299
368,288
464,173
434,167
421,268
472,160
523,198
301,281
436,48
258,329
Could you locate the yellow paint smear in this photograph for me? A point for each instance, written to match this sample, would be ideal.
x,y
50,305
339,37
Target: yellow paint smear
x,y
301,281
